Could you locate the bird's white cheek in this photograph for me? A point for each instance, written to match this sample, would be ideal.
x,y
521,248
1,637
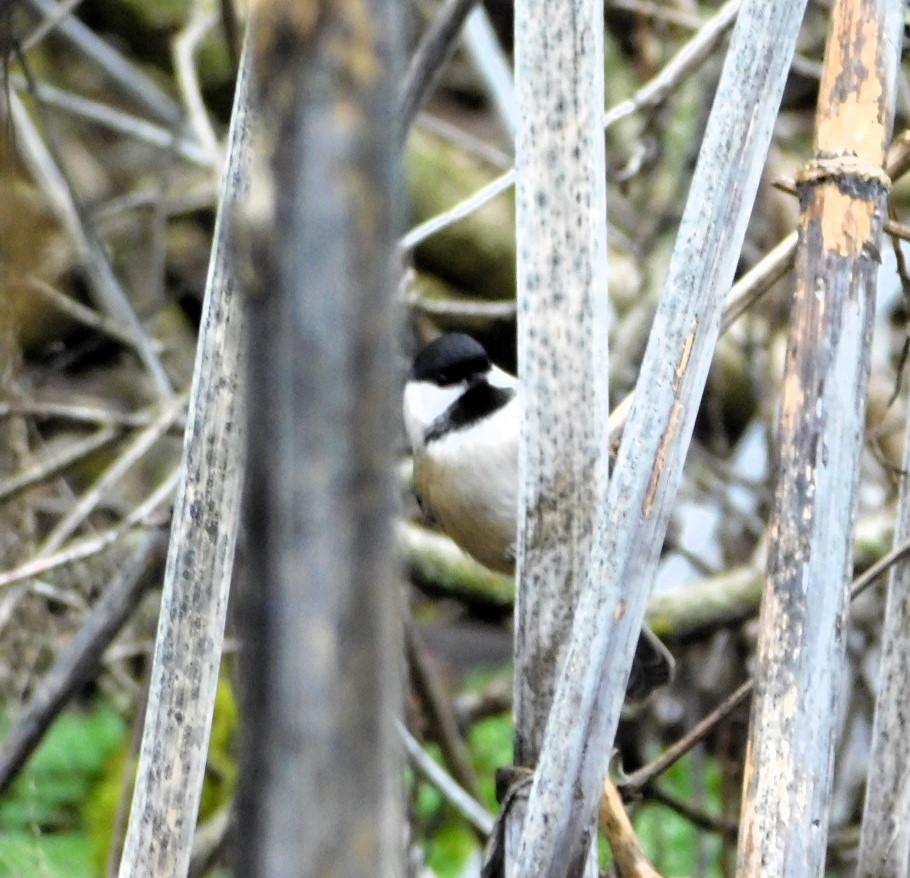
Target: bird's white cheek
x,y
423,404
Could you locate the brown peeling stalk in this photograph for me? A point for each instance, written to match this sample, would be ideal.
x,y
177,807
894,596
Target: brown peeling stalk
x,y
843,193
615,824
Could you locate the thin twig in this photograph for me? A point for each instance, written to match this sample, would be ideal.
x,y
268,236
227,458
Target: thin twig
x,y
701,819
654,92
83,314
658,11
463,309
463,209
758,280
209,839
130,455
868,577
57,461
89,414
477,147
185,45
105,286
492,700
493,66
633,784
117,120
71,599
48,24
743,294
119,70
82,655
79,550
439,711
458,798
683,64
435,48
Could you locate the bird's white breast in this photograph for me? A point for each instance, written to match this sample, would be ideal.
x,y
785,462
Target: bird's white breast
x,y
469,480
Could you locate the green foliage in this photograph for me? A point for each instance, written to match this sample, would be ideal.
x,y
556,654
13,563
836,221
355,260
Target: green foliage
x,y
669,839
56,821
221,768
42,824
63,855
101,806
453,844
490,741
448,840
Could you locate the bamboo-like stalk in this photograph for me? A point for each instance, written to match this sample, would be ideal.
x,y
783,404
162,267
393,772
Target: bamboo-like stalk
x,y
843,192
562,350
633,522
319,790
200,559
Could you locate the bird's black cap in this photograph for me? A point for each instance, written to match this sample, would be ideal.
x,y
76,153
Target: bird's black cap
x,y
449,359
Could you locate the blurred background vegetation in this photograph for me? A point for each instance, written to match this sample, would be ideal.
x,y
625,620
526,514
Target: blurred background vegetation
x,y
113,114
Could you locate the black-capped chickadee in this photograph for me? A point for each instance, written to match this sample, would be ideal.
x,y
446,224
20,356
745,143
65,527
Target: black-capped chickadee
x,y
463,416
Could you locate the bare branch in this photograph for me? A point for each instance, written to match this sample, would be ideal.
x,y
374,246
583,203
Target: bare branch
x,y
493,65
117,120
563,458
78,660
79,550
184,48
126,75
683,65
103,282
438,710
140,444
57,461
434,50
462,801
321,608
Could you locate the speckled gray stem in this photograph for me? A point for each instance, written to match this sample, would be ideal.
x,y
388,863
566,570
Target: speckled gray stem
x,y
632,523
200,561
562,341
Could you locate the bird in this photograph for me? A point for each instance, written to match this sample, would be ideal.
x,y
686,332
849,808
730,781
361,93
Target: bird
x,y
462,417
